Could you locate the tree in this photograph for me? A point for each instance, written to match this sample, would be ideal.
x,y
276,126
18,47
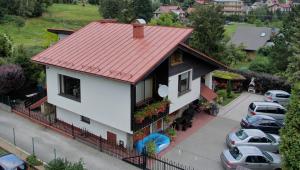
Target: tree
x,y
64,164
6,46
142,9
279,55
233,55
166,20
111,9
290,133
11,78
208,23
31,70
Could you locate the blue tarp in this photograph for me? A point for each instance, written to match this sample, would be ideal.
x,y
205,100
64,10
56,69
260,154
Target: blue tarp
x,y
161,141
11,162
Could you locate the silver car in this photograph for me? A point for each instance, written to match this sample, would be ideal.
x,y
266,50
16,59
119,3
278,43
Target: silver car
x,y
253,137
277,96
249,157
274,110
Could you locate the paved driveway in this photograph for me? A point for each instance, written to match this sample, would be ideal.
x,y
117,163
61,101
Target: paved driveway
x,y
47,140
202,149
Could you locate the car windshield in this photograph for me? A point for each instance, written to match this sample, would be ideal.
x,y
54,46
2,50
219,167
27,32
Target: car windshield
x,y
235,153
271,137
251,119
252,106
241,134
268,94
268,156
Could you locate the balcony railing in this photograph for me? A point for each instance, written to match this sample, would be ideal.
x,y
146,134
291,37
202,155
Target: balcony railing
x,y
143,117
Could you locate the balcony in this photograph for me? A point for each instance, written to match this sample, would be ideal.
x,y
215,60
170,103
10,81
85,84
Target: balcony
x,y
150,113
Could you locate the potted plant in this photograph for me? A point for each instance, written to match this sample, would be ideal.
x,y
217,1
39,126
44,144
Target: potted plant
x,y
149,110
171,133
138,135
139,116
151,148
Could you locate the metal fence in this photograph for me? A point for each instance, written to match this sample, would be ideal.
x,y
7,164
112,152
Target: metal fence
x,y
5,100
99,143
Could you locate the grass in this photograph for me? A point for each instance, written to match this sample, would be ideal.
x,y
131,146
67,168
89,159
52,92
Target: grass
x,y
34,34
3,152
227,100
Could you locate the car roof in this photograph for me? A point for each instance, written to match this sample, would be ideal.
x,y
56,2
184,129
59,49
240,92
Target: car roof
x,y
262,103
249,150
10,161
266,117
278,91
254,132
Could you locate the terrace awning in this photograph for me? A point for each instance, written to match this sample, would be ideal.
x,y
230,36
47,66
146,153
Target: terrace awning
x,y
207,93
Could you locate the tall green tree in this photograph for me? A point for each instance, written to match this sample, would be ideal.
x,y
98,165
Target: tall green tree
x,y
143,9
6,46
290,134
111,9
208,23
280,54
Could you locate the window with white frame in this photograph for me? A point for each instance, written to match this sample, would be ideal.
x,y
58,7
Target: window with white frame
x,y
184,83
144,90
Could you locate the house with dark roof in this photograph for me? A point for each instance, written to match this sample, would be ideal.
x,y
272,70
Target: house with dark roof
x,y
252,38
115,79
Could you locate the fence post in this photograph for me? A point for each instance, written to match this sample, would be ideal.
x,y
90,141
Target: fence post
x,y
29,112
100,140
144,155
54,150
73,134
33,151
14,133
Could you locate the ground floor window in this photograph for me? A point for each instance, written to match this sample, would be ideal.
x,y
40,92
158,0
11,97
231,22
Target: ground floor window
x,y
85,119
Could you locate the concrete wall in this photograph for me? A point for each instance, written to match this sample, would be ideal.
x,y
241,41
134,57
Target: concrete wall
x,y
178,102
103,100
5,107
94,126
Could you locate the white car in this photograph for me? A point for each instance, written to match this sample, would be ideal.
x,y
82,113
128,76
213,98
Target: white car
x,y
277,96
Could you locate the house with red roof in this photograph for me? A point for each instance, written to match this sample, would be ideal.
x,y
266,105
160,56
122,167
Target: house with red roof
x,y
115,79
164,9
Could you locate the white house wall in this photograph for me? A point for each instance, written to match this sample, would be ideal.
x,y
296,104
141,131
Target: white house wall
x,y
102,100
94,126
178,102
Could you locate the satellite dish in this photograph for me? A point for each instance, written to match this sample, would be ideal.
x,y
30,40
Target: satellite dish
x,y
163,90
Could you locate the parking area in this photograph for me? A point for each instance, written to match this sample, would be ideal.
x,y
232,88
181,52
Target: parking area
x,y
201,150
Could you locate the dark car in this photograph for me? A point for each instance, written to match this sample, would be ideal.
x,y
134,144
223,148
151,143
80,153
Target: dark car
x,y
263,122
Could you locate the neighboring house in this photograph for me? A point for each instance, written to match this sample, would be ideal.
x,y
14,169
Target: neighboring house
x,y
274,5
256,5
252,38
99,76
296,2
170,9
231,6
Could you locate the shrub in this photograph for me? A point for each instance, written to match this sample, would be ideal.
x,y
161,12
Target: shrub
x,y
260,64
222,93
11,78
229,89
6,46
264,81
290,133
151,148
33,161
171,132
64,164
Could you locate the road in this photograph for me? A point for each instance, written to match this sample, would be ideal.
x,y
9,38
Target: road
x,y
201,150
47,142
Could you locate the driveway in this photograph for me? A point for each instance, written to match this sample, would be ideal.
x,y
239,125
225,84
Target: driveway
x,y
201,150
47,142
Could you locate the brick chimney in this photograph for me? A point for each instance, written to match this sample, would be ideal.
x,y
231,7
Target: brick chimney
x,y
138,30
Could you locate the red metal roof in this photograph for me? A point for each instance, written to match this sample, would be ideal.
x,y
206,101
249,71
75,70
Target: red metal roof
x,y
109,50
207,93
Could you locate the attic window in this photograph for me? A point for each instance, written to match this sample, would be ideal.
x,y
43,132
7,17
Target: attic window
x,y
263,34
176,58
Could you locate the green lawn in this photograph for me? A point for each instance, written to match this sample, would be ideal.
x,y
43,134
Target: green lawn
x,y
34,34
